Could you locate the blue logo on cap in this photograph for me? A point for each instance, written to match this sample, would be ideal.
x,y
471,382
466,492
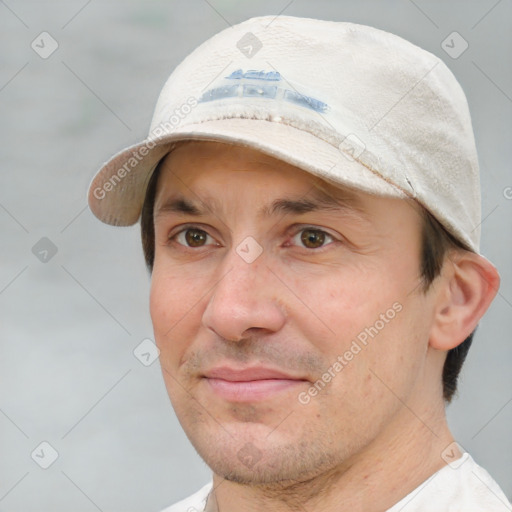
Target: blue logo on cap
x,y
260,84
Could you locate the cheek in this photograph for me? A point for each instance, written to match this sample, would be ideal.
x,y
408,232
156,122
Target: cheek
x,y
173,309
161,304
342,303
369,317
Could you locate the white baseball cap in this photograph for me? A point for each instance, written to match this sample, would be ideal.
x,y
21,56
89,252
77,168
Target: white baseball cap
x,y
349,103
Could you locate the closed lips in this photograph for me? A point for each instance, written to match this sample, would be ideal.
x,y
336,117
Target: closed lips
x,y
248,374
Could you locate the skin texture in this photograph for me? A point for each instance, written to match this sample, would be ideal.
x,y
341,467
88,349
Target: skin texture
x,y
376,428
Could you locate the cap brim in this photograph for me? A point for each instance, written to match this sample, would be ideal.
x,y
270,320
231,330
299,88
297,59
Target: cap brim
x,y
117,192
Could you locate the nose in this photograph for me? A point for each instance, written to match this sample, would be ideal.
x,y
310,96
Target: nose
x,y
244,302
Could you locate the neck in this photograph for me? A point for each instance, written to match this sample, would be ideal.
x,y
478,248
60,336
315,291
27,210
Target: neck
x,y
406,453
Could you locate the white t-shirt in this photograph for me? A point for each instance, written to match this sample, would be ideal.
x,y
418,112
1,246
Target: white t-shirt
x,y
462,487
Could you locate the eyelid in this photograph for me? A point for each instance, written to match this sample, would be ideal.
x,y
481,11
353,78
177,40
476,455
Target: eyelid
x,y
293,230
297,228
184,227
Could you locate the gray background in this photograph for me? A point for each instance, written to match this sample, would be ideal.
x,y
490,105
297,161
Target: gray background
x,y
69,325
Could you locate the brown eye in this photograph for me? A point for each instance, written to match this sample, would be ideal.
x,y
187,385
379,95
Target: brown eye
x,y
312,238
195,237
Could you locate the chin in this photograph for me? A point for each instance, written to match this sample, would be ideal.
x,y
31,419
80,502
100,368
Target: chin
x,y
281,465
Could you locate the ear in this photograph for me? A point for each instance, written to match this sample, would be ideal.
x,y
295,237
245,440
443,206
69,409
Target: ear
x,y
469,283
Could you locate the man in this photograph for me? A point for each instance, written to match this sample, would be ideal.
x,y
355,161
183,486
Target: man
x,y
310,210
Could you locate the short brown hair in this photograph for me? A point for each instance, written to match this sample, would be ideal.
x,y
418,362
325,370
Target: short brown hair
x,y
436,242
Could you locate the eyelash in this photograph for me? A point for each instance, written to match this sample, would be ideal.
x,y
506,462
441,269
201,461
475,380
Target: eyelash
x,y
329,238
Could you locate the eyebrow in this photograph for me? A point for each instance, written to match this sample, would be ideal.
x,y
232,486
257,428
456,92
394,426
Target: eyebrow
x,y
318,200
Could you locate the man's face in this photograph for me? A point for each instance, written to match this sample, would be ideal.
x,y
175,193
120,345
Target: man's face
x,y
288,312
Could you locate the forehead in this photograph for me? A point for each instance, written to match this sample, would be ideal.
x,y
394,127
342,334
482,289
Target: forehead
x,y
203,177
192,163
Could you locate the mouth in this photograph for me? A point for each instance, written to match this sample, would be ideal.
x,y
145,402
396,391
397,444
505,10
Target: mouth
x,y
252,384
